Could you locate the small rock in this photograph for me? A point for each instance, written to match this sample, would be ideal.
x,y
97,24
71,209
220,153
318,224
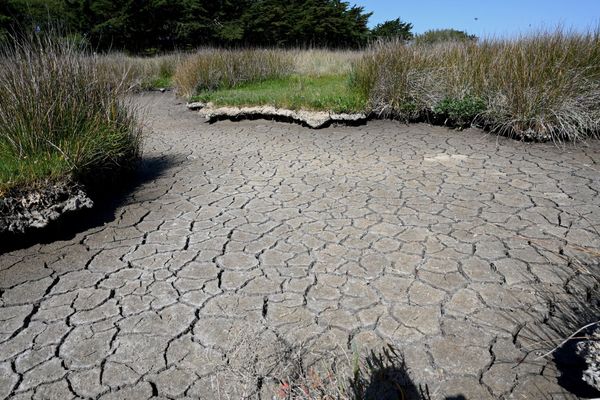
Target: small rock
x,y
196,105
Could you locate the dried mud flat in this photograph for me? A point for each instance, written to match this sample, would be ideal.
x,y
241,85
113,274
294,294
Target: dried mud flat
x,y
257,241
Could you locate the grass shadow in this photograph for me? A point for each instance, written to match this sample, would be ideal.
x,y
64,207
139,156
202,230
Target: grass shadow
x,y
571,306
378,375
384,376
106,203
576,307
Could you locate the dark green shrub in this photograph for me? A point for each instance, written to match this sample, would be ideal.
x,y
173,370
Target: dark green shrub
x,y
393,29
444,35
459,112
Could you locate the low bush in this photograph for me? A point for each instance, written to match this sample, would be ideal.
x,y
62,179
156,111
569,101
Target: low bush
x,y
323,62
458,112
62,115
443,35
543,86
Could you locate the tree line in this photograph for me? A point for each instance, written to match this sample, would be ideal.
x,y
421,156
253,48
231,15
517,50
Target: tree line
x,y
158,25
150,26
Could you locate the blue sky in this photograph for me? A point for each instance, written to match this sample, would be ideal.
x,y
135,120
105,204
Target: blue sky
x,y
498,18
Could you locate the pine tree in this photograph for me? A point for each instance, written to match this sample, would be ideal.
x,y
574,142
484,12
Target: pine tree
x,y
393,29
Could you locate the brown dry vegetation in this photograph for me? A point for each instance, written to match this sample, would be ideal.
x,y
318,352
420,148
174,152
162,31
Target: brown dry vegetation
x,y
544,86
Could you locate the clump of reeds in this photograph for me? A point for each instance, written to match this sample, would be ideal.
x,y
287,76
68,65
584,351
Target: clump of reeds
x,y
541,86
62,115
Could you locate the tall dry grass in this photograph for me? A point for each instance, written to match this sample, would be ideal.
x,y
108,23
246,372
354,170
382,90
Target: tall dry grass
x,y
61,114
542,86
141,73
209,69
323,62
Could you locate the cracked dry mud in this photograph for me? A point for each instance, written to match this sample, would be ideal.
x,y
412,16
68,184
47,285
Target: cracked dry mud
x,y
259,236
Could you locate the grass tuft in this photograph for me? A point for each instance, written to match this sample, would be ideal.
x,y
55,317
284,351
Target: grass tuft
x,y
62,115
543,86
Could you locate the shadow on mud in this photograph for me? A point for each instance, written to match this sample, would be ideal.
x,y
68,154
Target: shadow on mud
x,y
570,308
378,375
108,197
583,310
384,376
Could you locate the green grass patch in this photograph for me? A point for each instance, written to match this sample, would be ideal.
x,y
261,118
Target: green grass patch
x,y
15,171
162,82
320,93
